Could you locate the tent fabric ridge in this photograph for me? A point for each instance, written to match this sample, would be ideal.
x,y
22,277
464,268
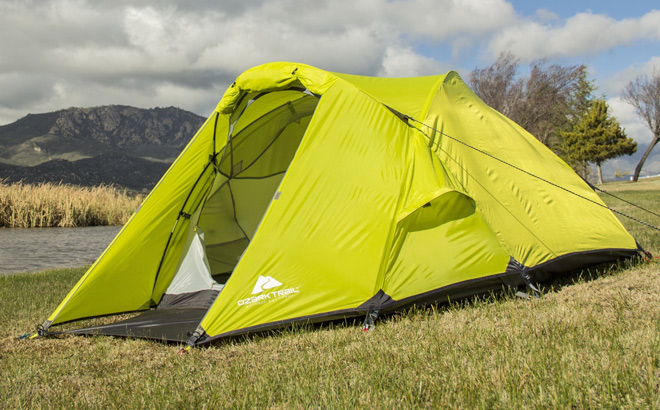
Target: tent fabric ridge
x,y
500,203
529,173
427,199
215,131
429,100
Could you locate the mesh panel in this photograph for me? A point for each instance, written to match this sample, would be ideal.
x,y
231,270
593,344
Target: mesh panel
x,y
223,257
263,141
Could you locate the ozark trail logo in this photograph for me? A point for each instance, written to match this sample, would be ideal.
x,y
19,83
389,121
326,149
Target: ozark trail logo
x,y
265,283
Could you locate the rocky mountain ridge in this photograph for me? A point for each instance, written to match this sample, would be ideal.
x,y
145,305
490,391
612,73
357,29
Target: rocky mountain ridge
x,y
67,145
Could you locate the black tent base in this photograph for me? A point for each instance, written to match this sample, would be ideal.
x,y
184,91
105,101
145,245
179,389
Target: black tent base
x,y
177,324
167,325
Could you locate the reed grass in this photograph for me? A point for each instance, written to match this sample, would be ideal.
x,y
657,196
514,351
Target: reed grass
x,y
60,205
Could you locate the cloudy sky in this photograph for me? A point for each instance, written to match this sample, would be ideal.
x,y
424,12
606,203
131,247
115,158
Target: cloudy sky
x,y
62,53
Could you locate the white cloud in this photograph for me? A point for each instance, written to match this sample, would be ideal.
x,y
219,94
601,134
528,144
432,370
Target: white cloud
x,y
614,84
90,52
545,15
634,126
443,20
625,113
404,62
584,33
83,52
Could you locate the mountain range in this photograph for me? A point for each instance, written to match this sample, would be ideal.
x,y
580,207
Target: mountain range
x,y
133,147
120,145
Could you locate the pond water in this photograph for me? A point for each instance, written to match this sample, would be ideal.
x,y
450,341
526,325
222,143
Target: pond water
x,y
38,249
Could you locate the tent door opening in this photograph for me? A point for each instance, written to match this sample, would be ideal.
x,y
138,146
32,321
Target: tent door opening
x,y
263,140
261,144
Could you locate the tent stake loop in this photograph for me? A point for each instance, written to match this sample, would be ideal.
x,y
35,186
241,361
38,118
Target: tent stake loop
x,y
528,281
369,320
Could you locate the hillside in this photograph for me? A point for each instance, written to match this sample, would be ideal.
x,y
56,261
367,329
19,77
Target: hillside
x,y
109,168
120,145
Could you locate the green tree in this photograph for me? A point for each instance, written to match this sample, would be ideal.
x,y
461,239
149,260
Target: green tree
x,y
596,138
580,100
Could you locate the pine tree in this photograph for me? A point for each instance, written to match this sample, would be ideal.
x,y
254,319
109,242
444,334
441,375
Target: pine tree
x,y
596,138
581,99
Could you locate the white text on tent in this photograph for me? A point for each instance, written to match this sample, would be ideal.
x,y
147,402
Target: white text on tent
x,y
268,297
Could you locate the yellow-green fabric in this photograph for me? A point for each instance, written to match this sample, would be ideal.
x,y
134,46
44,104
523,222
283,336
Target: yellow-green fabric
x,y
326,191
122,279
534,220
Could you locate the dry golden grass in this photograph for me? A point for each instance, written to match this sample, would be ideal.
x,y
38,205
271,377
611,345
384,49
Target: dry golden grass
x,y
48,205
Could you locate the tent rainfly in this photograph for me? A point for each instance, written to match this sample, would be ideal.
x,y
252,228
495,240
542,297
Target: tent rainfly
x,y
309,196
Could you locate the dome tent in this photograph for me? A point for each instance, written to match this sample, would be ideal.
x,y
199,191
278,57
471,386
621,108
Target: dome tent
x,y
309,195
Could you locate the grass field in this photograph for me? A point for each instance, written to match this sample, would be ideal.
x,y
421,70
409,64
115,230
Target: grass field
x,y
49,205
591,341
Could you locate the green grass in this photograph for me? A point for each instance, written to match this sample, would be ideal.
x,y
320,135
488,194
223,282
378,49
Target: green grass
x,y
591,341
647,196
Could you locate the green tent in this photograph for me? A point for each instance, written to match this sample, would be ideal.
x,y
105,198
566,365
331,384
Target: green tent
x,y
309,195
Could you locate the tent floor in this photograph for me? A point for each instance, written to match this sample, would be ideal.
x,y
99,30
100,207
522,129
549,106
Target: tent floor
x,y
170,325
